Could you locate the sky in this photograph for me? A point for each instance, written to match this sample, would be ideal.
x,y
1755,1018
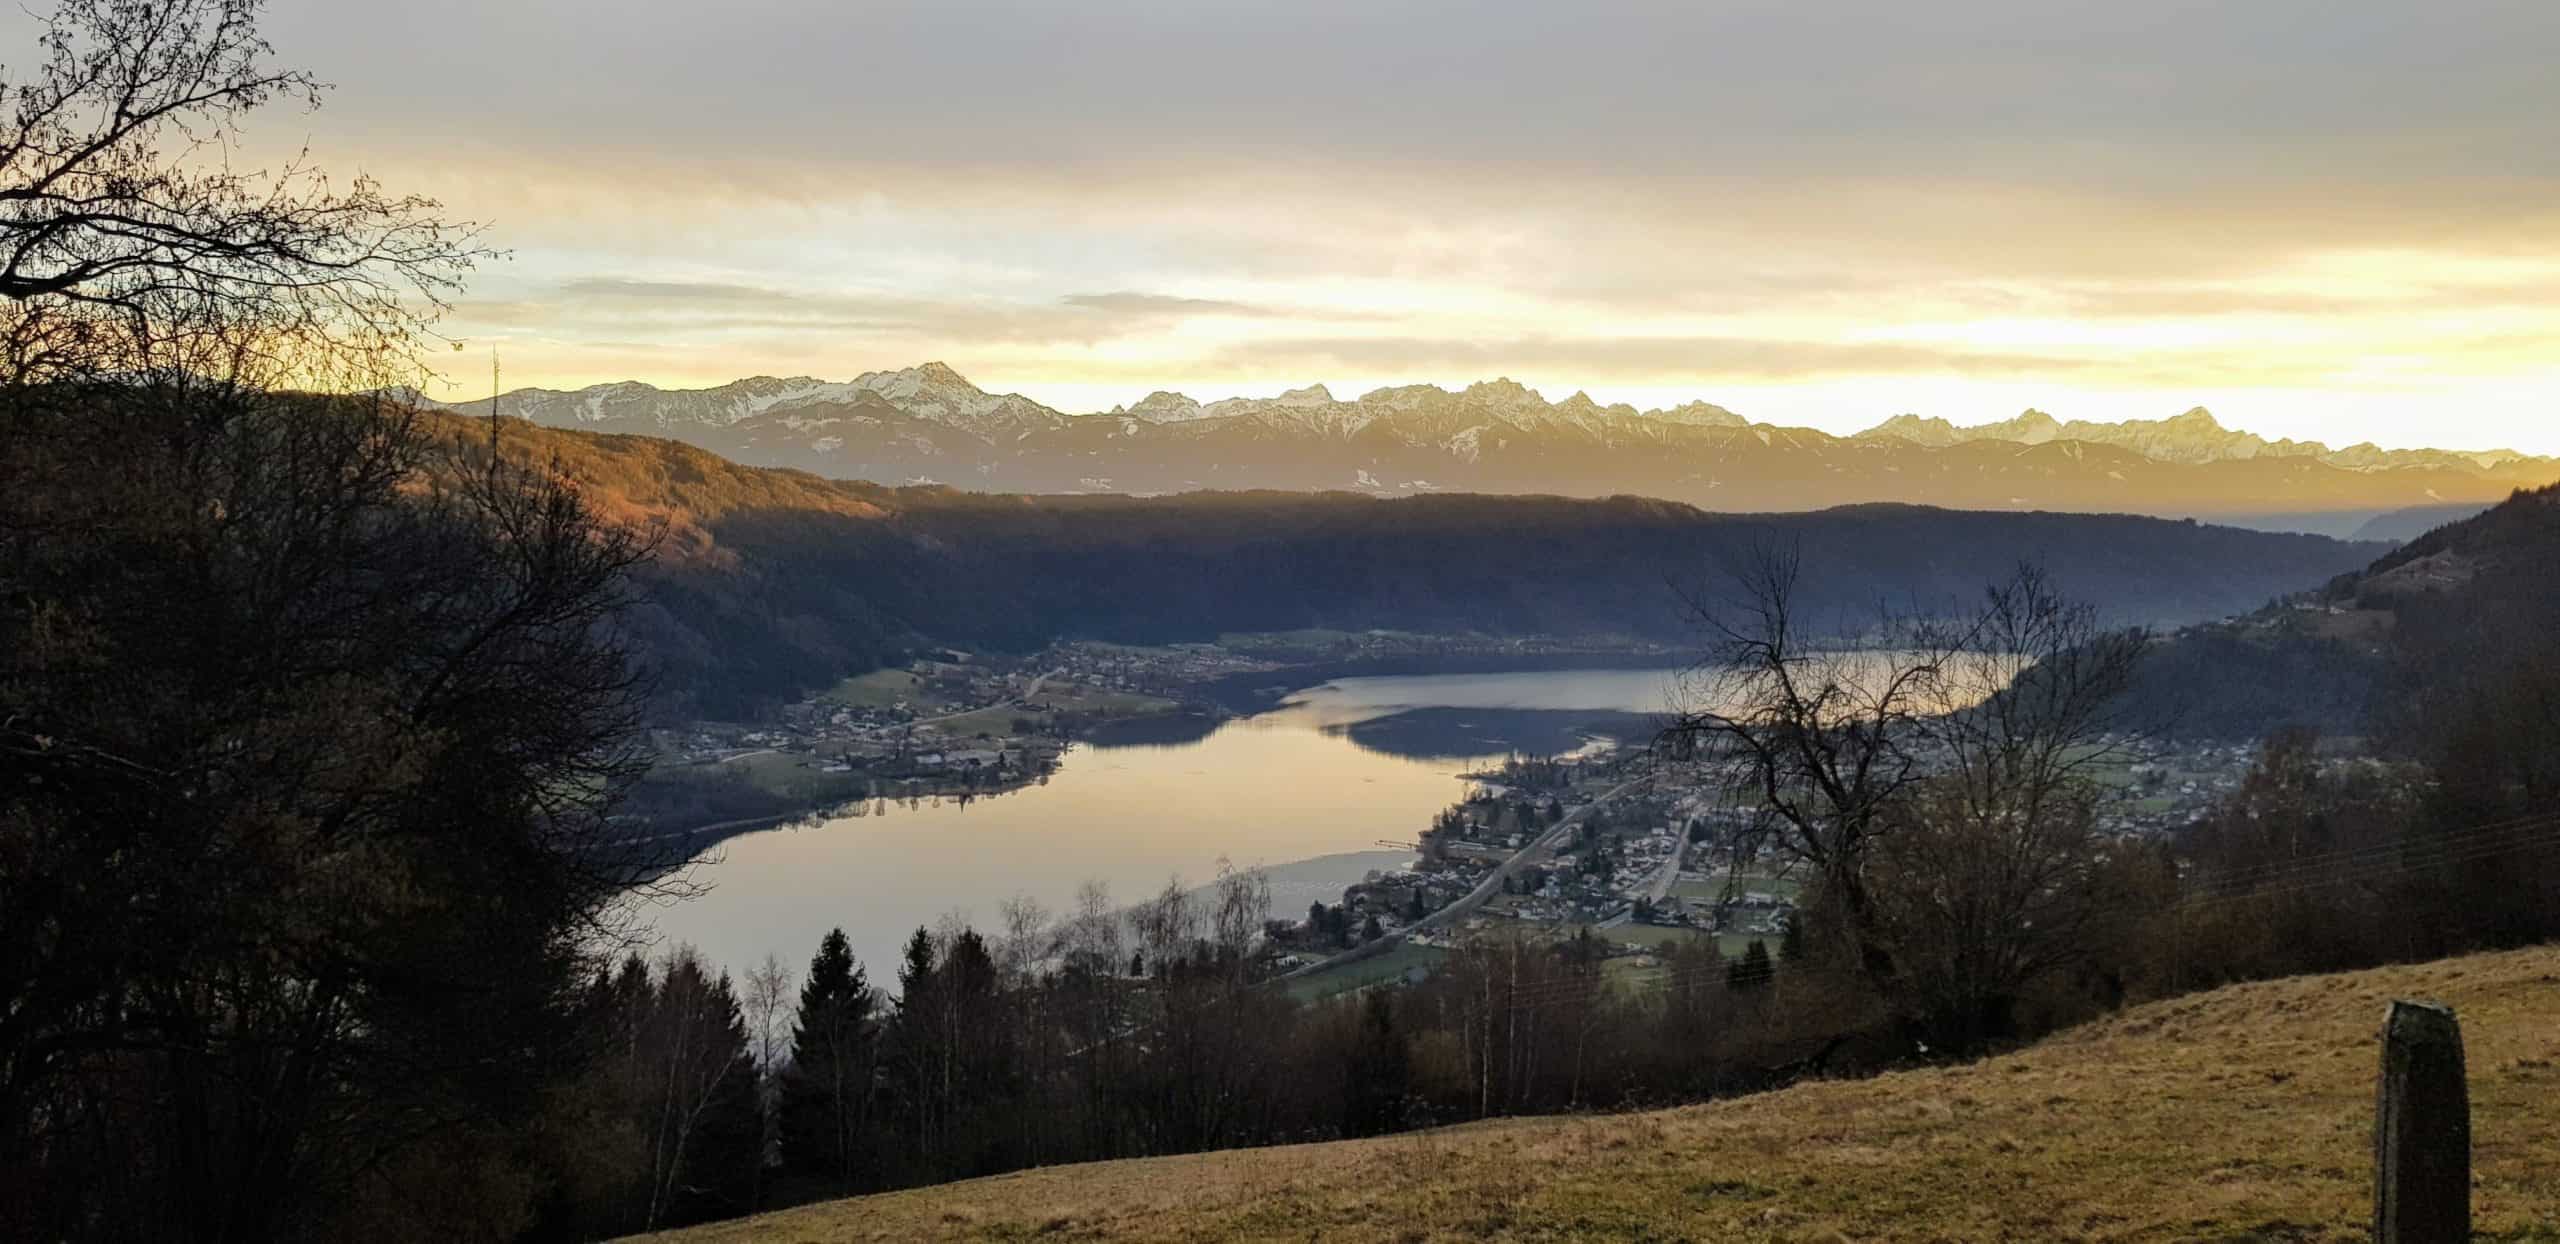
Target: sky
x,y
2326,219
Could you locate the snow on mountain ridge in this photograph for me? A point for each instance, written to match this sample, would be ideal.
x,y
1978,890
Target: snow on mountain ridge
x,y
2193,436
1464,424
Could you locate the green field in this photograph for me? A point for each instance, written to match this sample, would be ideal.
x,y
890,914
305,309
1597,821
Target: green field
x,y
1311,637
1713,889
783,773
1073,699
997,721
1736,945
994,722
878,689
1376,970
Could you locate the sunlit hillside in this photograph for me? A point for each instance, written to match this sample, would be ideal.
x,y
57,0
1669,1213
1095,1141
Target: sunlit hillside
x,y
2240,1114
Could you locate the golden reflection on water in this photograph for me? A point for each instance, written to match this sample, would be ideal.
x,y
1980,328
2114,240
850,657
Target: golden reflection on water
x,y
1264,790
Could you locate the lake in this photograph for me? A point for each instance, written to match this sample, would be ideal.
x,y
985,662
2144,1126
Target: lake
x,y
1313,784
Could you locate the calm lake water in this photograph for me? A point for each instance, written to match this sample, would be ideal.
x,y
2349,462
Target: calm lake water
x,y
1329,773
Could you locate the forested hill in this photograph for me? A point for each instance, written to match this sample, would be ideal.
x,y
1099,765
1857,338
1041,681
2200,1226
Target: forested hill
x,y
2463,616
773,581
2520,536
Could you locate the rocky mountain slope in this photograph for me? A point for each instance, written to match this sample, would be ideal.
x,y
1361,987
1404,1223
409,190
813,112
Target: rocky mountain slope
x,y
928,424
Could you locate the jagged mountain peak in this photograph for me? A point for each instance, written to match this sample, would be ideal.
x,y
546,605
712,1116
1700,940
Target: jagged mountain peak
x,y
1931,430
1504,391
1704,415
1404,396
935,375
928,421
1163,406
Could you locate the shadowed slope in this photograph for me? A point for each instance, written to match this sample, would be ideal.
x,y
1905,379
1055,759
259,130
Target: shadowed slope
x,y
773,582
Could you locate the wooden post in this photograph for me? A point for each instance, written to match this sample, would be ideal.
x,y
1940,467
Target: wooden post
x,y
2421,1129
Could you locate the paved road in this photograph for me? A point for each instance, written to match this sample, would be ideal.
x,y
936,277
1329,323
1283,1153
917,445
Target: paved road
x,y
1475,898
1670,873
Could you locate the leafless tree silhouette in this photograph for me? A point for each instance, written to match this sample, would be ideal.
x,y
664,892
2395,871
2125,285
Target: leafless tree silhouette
x,y
129,240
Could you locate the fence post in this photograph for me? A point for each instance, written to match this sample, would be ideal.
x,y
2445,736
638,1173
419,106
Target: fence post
x,y
2421,1129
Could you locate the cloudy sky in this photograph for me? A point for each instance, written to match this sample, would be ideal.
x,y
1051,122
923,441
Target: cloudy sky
x,y
2323,218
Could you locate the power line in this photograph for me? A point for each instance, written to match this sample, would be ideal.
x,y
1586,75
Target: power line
x,y
2254,873
2371,863
2348,866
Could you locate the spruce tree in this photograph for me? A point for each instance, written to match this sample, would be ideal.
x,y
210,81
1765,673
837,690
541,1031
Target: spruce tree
x,y
1791,939
728,1149
1752,970
921,1051
1379,1072
827,1090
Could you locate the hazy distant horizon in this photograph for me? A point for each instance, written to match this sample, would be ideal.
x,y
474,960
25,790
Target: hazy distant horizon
x,y
1806,407
2328,221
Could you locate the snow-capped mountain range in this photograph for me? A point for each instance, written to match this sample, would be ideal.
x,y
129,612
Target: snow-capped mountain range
x,y
2195,436
929,424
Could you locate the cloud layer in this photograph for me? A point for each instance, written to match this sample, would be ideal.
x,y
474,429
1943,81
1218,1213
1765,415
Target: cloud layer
x,y
2341,218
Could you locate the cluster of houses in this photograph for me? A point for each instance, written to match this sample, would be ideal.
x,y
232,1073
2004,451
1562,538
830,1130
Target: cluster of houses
x,y
2174,786
1618,867
1170,672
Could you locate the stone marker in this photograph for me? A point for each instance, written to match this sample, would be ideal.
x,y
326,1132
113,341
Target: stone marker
x,y
2421,1129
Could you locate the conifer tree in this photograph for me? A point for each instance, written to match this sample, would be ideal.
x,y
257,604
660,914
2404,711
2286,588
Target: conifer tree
x,y
1380,1071
1752,970
827,1090
1791,940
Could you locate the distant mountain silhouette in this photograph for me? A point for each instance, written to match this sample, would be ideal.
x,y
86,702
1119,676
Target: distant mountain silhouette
x,y
928,424
2400,526
2193,437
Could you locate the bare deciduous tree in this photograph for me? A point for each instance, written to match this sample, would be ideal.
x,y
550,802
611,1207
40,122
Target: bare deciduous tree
x,y
1243,903
1938,782
1166,925
1026,941
1817,737
129,239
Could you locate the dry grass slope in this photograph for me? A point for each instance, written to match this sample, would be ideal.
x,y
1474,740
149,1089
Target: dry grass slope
x,y
2242,1114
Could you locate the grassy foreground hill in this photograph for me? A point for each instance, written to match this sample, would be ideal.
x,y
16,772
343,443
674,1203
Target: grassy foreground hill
x,y
2239,1114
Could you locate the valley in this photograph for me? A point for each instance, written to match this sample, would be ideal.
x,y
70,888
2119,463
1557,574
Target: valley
x,y
1467,645
1418,811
